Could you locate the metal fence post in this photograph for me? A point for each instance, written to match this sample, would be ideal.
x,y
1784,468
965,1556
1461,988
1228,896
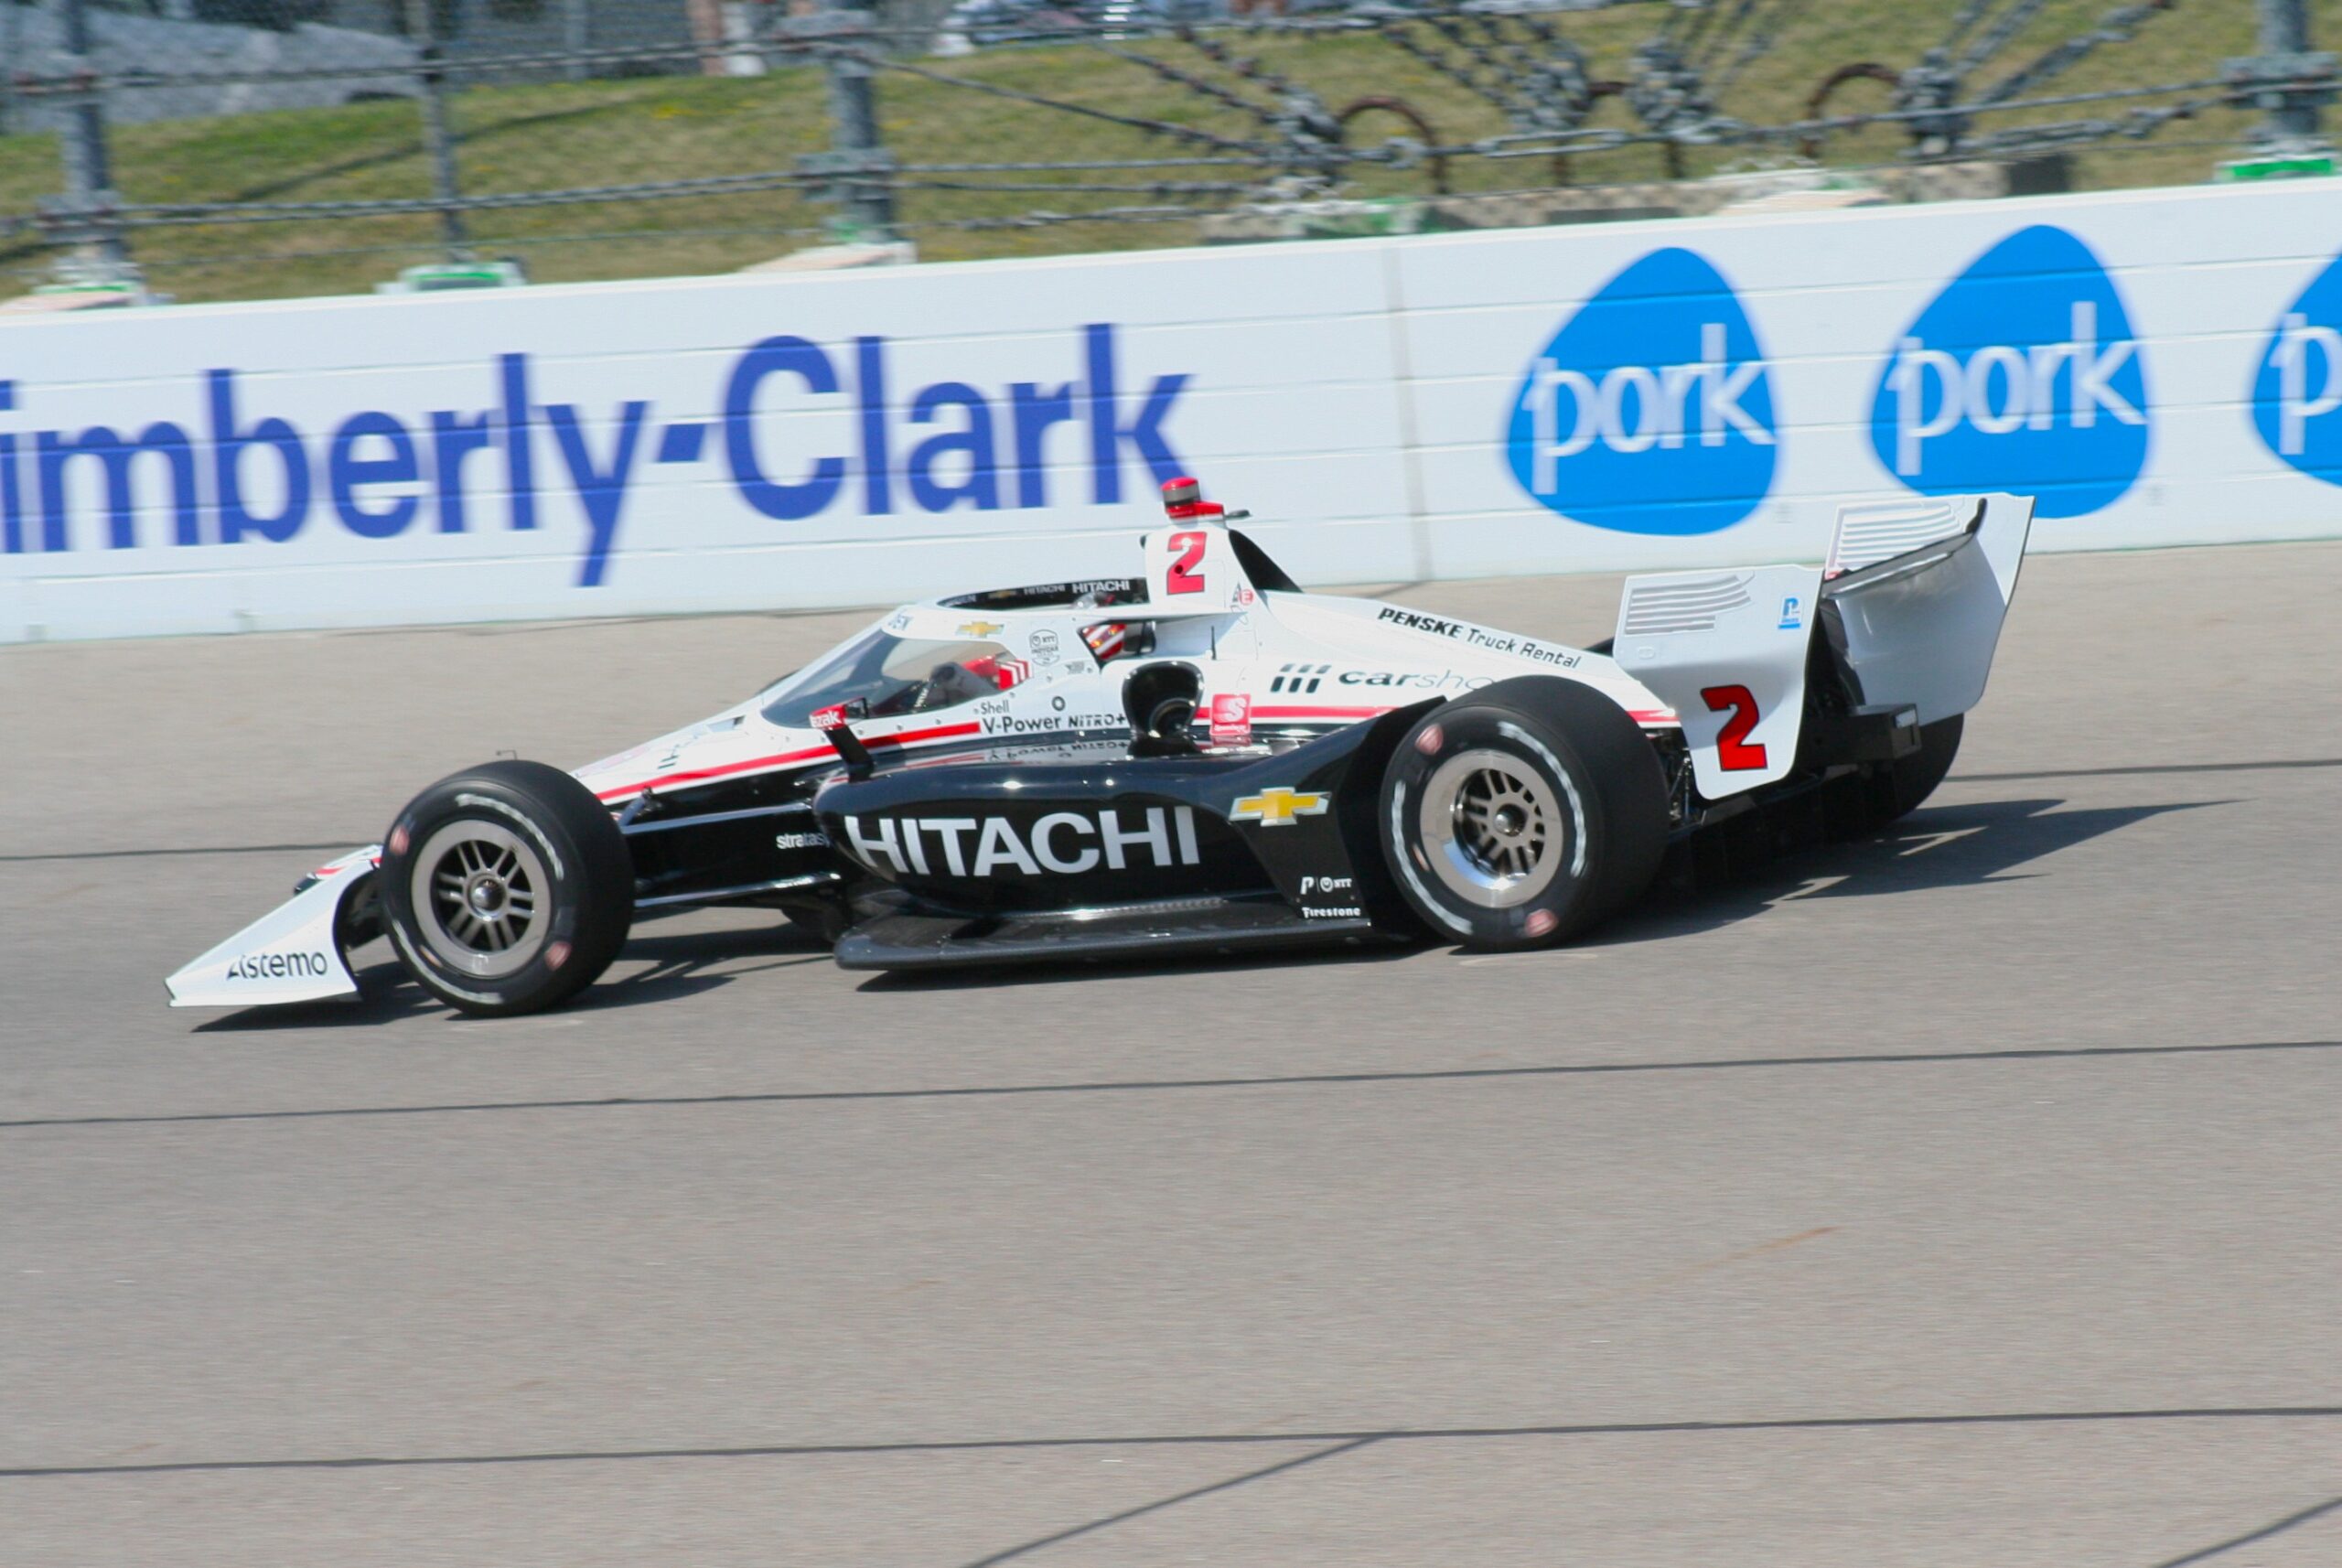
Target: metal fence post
x,y
858,160
2287,81
2284,30
436,141
90,198
8,51
577,35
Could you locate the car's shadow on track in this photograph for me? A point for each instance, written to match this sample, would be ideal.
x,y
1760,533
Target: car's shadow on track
x,y
681,963
1944,846
1373,951
1963,845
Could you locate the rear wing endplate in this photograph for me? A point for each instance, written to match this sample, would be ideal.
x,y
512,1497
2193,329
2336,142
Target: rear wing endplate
x,y
1726,652
1914,597
1910,601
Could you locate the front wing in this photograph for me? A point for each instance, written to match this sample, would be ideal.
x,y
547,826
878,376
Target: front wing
x,y
297,952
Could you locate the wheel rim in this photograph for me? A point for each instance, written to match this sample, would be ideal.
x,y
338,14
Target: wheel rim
x,y
1491,829
481,899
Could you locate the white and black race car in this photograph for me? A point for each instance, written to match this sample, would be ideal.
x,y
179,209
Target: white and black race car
x,y
1198,759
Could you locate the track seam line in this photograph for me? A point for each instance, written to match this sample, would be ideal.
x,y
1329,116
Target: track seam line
x,y
1209,1439
1297,1081
2147,769
148,853
1229,1485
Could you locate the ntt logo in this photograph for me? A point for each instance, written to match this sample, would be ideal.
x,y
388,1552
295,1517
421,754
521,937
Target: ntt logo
x,y
1651,409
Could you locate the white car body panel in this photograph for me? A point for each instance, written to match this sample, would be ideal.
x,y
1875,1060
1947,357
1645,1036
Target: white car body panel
x,y
1727,649
288,955
1284,661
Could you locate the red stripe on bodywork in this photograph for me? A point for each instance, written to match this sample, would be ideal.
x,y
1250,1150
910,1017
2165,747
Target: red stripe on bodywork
x,y
1665,716
786,758
952,732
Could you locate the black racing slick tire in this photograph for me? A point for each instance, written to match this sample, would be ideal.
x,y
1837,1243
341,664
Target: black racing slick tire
x,y
508,888
1895,789
1523,814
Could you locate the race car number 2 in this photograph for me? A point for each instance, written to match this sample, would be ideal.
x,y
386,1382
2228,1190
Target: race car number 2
x,y
1734,753
1183,577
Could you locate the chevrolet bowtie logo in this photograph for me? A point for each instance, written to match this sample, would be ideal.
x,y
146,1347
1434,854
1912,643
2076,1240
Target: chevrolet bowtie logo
x,y
979,627
1276,807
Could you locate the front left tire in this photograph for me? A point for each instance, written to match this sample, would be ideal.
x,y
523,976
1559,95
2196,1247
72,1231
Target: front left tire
x,y
508,888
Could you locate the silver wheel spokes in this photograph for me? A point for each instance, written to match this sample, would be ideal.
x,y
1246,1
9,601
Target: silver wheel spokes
x,y
485,897
1492,828
1499,823
481,899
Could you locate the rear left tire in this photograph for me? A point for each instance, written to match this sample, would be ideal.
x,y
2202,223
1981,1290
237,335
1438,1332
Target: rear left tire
x,y
1523,814
1894,789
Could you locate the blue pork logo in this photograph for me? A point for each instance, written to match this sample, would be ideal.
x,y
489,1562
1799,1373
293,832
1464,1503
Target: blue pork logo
x,y
2298,391
2023,375
1651,410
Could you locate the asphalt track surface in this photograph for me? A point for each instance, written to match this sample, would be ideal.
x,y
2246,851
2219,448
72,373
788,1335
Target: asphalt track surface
x,y
1964,1197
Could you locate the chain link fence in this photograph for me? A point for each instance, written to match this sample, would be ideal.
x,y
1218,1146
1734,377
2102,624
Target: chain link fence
x,y
251,148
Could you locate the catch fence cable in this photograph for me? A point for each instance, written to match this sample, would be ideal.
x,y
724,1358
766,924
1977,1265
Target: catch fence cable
x,y
2116,27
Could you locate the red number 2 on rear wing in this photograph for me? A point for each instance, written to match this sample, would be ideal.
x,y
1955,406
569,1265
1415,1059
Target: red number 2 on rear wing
x,y
1734,754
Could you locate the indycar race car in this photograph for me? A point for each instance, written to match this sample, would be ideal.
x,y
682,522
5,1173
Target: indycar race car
x,y
1198,759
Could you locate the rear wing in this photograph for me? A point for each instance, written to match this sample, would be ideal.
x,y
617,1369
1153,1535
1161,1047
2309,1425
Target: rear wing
x,y
1908,605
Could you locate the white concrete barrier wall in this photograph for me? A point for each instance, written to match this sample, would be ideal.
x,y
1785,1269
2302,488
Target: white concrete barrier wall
x,y
2160,367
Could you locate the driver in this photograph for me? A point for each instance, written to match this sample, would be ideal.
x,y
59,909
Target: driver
x,y
952,683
